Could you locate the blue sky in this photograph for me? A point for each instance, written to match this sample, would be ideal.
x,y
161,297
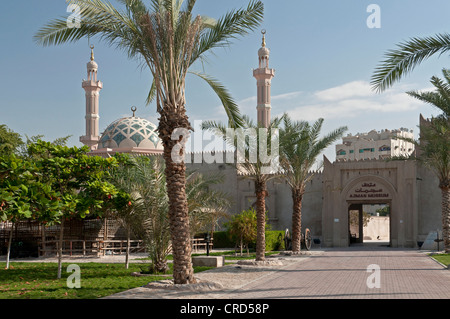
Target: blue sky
x,y
323,52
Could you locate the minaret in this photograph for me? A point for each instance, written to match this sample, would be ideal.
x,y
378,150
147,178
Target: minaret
x,y
92,88
263,77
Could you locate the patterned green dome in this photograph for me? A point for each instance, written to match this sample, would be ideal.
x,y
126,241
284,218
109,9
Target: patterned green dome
x,y
131,132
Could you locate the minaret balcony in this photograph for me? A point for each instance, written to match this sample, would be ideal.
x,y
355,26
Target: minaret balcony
x,y
92,84
89,140
264,72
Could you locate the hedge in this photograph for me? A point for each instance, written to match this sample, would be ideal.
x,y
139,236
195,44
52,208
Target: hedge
x,y
274,240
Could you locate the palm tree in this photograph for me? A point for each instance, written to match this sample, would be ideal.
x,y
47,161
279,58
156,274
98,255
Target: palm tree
x,y
300,145
167,39
434,146
251,164
147,216
440,98
406,57
206,204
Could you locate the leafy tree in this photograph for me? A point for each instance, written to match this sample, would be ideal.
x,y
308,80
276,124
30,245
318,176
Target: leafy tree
x,y
252,164
77,177
23,150
167,39
23,196
9,141
383,211
354,218
243,228
122,206
300,145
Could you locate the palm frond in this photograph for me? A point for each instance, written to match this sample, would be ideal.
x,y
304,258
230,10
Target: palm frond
x,y
152,93
230,106
230,26
300,146
402,60
164,37
440,98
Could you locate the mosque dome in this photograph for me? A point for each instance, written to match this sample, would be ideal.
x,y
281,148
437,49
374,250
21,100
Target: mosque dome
x,y
92,65
263,51
131,133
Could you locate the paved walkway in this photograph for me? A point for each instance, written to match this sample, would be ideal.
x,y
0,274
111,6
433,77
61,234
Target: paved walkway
x,y
326,274
342,273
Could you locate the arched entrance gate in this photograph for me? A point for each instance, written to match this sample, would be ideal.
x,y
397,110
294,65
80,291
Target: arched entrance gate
x,y
362,191
349,184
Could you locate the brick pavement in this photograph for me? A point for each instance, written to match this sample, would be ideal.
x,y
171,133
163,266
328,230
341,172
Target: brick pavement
x,y
342,273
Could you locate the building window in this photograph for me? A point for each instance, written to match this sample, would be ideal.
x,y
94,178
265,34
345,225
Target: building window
x,y
341,152
352,151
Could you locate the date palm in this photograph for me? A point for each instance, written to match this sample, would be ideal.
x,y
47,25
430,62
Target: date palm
x,y
254,162
300,145
402,60
147,216
167,39
434,146
206,204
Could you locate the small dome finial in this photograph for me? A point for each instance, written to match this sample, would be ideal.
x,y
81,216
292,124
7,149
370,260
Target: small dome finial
x,y
263,32
92,52
133,109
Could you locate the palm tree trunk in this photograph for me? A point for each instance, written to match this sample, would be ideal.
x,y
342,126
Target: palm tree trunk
x,y
297,196
446,218
261,192
183,272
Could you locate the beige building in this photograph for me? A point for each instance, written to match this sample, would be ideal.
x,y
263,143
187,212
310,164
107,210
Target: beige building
x,y
375,145
410,190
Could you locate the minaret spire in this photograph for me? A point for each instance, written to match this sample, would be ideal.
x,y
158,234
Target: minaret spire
x,y
263,77
264,38
92,88
92,52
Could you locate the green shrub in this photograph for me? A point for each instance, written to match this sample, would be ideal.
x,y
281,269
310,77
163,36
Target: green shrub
x,y
222,240
274,240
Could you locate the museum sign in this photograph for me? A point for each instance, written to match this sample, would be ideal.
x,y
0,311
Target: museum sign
x,y
368,190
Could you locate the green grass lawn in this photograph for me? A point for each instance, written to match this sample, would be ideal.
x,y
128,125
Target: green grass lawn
x,y
38,280
442,258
